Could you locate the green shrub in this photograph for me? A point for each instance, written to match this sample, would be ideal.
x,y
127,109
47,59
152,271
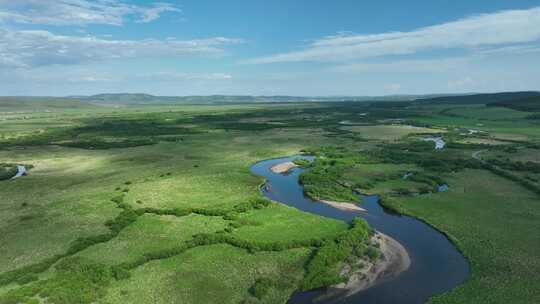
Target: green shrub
x,y
13,275
124,219
302,162
7,171
255,203
27,279
120,273
523,182
100,144
245,222
372,253
324,267
119,199
76,280
261,287
82,243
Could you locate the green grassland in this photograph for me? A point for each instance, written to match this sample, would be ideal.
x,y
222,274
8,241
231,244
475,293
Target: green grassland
x,y
379,178
151,233
491,218
495,223
7,171
501,123
212,274
156,204
66,201
389,132
291,224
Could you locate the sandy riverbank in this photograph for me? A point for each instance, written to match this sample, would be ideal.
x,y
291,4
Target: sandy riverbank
x,y
394,260
283,167
344,206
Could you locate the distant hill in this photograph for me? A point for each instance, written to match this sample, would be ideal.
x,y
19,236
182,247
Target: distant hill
x,y
482,98
121,98
128,99
530,104
146,99
22,103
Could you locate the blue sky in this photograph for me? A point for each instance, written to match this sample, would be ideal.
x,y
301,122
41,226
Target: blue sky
x,y
301,47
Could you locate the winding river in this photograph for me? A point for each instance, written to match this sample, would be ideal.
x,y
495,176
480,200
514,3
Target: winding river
x,y
436,265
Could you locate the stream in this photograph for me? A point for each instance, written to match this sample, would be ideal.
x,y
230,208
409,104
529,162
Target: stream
x,y
439,142
436,264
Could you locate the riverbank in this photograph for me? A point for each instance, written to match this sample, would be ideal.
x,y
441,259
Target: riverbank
x,y
491,195
343,206
393,260
437,265
283,167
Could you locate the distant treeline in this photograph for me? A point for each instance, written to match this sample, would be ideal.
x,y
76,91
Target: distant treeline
x,y
508,97
530,104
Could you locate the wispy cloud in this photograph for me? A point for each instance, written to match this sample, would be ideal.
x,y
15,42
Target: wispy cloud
x,y
510,50
462,83
70,77
440,64
176,76
392,88
38,48
81,75
487,30
153,13
80,12
404,66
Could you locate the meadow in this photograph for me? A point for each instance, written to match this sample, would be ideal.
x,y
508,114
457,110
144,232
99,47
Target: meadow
x,y
155,204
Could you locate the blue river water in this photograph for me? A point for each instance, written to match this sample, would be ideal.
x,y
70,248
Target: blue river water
x,y
436,264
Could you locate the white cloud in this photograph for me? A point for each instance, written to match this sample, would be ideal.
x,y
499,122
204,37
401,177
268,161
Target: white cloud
x,y
441,64
175,76
79,12
501,28
462,83
406,66
510,50
150,14
392,88
86,74
39,48
59,74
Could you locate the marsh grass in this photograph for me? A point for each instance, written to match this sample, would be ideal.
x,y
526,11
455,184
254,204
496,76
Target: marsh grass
x,y
190,221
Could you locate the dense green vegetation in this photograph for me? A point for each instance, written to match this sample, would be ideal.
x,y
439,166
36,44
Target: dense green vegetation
x,y
324,268
40,104
493,220
482,98
156,204
530,104
477,200
7,171
399,169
